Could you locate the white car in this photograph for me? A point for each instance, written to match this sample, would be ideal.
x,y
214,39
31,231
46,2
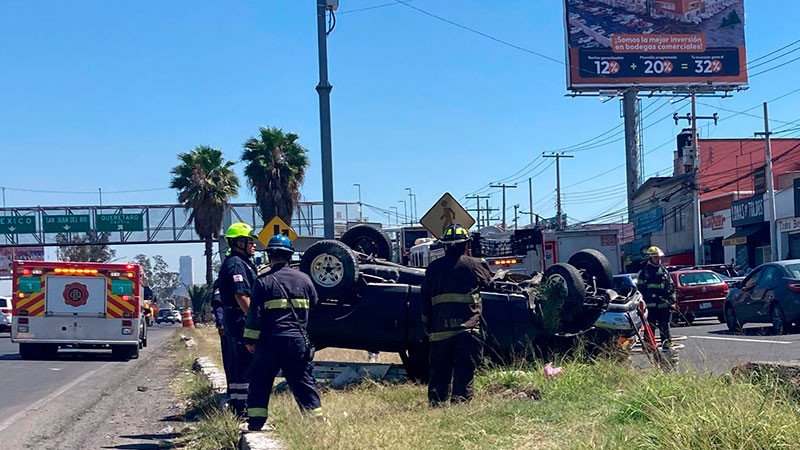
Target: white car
x,y
5,314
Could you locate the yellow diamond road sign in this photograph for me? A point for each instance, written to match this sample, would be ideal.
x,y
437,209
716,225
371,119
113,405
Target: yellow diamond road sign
x,y
447,211
276,226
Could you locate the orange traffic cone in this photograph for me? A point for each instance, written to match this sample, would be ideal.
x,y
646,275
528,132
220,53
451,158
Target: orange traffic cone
x,y
186,318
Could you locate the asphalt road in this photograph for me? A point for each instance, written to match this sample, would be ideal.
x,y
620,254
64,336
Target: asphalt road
x,y
28,386
710,347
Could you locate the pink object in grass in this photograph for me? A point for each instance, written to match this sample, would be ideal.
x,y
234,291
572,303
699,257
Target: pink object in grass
x,y
550,371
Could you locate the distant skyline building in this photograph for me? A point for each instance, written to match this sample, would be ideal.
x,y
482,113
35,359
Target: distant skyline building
x,y
186,273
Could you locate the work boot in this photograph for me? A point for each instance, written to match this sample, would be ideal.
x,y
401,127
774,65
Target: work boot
x,y
666,345
255,427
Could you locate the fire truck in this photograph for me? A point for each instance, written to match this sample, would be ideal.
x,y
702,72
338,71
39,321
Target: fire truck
x,y
79,305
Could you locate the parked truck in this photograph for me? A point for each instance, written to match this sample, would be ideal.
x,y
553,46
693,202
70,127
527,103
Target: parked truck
x,y
75,304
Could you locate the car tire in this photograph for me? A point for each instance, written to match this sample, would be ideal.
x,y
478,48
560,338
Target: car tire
x,y
368,240
593,265
721,318
778,317
332,267
570,278
731,321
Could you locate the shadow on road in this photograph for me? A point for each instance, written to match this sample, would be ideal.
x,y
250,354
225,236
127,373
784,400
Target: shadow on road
x,y
66,355
753,331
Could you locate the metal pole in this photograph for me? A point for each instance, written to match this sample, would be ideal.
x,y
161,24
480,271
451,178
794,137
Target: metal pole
x,y
360,205
416,212
410,205
773,235
405,211
530,197
699,257
633,156
100,191
4,197
396,214
559,212
516,217
324,89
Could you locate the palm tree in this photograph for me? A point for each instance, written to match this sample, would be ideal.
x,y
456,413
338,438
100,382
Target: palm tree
x,y
276,168
205,184
199,296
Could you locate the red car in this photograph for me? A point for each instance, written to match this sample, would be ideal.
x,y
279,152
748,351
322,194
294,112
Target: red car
x,y
700,293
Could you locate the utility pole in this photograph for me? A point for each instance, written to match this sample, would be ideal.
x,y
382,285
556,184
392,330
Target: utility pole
x,y
489,211
405,211
360,205
4,197
530,198
478,199
559,212
516,216
324,89
699,256
633,149
773,234
504,187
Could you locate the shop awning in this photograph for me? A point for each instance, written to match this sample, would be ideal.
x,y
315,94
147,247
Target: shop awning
x,y
742,233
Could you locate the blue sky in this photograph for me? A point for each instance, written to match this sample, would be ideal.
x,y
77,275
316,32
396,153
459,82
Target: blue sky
x,y
105,94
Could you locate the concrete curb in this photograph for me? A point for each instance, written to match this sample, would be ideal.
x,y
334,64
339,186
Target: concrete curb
x,y
248,441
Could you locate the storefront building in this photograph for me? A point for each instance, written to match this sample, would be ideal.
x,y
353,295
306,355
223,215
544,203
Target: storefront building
x,y
751,239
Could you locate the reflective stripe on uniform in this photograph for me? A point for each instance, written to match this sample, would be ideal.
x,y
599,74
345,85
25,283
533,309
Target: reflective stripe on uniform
x,y
316,412
238,396
256,412
456,298
252,334
654,285
282,303
442,335
239,386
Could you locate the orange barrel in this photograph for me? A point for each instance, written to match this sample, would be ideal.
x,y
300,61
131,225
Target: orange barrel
x,y
186,319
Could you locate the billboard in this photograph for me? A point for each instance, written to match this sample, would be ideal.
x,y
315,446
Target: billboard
x,y
9,254
654,43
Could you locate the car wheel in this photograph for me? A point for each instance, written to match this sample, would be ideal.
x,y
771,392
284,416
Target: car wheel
x,y
721,318
779,325
368,240
593,265
730,319
568,279
332,267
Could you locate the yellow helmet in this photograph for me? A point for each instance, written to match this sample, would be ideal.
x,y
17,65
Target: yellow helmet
x,y
239,230
654,251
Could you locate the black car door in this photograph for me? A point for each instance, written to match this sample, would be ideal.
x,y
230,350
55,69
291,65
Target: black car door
x,y
764,292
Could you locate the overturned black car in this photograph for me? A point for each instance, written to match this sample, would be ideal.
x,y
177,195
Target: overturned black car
x,y
371,304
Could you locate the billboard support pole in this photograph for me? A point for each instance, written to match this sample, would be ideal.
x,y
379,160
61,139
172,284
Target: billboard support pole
x,y
633,151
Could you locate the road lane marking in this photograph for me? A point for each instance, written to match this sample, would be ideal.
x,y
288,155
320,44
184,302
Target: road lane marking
x,y
10,421
760,341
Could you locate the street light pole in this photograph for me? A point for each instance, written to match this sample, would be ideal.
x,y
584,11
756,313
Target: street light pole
x,y
415,214
405,210
396,215
324,89
360,205
411,204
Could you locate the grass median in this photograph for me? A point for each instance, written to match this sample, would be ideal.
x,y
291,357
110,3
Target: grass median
x,y
592,404
211,428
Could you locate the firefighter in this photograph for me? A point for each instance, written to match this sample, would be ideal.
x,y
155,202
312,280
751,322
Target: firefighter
x,y
658,291
451,311
225,341
277,334
236,279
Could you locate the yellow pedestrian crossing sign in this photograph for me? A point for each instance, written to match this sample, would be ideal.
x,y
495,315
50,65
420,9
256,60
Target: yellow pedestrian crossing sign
x,y
447,211
273,227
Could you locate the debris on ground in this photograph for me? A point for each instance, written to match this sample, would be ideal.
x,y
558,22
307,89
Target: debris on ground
x,y
550,371
142,388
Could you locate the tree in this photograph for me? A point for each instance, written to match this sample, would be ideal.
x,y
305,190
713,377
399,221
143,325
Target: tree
x,y
91,247
200,296
158,277
276,168
205,184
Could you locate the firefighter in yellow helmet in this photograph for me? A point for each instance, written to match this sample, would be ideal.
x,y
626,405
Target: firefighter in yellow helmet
x,y
451,309
236,279
658,291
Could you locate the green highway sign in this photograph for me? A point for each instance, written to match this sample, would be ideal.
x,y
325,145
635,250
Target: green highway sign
x,y
66,224
17,224
119,222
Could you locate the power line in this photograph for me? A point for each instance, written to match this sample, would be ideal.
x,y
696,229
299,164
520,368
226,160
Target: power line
x,y
368,8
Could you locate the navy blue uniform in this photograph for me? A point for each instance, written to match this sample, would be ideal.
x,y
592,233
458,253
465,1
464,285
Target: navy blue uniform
x,y
280,345
658,290
236,276
225,341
